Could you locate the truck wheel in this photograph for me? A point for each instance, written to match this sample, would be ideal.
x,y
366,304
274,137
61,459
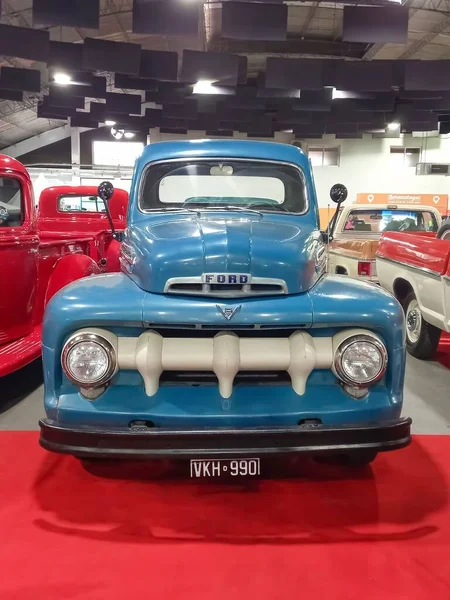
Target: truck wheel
x,y
443,232
422,339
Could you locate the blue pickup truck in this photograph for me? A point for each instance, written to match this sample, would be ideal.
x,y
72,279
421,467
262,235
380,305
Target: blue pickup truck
x,y
223,339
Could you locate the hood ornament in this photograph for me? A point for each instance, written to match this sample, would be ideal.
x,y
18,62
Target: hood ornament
x,y
228,313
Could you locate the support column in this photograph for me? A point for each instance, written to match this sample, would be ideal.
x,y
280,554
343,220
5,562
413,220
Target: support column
x,y
154,135
75,154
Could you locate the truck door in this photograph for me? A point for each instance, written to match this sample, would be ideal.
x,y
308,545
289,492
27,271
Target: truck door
x,y
18,258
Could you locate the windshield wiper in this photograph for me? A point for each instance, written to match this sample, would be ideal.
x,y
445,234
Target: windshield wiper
x,y
241,208
173,209
197,211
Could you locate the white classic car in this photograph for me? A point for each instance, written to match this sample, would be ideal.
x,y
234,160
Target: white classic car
x,y
357,230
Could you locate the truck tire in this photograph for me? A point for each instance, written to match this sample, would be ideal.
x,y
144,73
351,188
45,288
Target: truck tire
x,y
422,339
443,232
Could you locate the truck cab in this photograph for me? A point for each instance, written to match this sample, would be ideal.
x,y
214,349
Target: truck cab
x,y
358,230
223,336
40,252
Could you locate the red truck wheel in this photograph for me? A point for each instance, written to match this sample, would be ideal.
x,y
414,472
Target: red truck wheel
x,y
422,339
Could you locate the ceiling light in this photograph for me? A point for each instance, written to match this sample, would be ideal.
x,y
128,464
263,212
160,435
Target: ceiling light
x,y
393,126
117,133
343,95
110,123
129,134
62,78
203,87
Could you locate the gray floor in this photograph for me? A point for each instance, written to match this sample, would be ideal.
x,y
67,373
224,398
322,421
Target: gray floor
x,y
427,397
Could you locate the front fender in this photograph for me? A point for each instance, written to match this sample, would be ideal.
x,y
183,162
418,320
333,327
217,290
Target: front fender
x,y
69,268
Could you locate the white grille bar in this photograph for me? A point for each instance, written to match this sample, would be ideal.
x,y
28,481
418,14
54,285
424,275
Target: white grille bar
x,y
225,355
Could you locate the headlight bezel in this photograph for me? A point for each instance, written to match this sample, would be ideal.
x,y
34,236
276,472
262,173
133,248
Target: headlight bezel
x,y
104,343
345,345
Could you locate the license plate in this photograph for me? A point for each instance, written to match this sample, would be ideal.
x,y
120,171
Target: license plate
x,y
241,467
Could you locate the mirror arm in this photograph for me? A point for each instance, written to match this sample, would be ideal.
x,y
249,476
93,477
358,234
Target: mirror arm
x,y
111,223
332,223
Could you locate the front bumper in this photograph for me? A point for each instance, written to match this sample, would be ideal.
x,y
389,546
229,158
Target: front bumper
x,y
86,442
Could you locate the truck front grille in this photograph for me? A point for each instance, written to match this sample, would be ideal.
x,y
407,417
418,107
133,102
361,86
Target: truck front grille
x,y
194,286
206,378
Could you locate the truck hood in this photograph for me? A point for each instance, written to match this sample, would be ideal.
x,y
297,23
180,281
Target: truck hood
x,y
268,246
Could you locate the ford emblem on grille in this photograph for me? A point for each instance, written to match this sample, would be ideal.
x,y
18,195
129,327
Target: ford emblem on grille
x,y
228,312
227,278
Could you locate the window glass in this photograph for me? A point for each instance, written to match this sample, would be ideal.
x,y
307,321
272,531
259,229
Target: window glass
x,y
116,154
257,185
316,156
324,157
412,156
74,203
331,157
11,202
377,221
404,157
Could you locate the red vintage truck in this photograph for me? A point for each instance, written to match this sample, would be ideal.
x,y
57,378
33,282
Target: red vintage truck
x,y
41,253
415,267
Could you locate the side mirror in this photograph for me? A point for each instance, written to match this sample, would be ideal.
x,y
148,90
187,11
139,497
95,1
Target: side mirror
x,y
338,193
106,191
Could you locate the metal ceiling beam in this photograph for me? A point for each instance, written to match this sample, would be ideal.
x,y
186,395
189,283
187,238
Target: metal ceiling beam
x,y
309,17
427,39
38,141
375,48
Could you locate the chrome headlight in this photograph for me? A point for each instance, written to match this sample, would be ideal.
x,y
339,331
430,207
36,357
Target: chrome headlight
x,y
360,360
89,360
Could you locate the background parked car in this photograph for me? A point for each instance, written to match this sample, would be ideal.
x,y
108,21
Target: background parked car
x,y
41,254
358,229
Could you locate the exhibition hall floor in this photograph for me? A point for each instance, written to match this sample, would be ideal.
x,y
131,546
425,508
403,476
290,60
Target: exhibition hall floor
x,y
119,530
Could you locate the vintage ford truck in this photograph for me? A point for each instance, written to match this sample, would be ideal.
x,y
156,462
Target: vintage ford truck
x,y
357,229
223,337
416,269
39,254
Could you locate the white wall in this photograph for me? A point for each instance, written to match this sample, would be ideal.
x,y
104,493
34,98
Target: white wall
x,y
365,164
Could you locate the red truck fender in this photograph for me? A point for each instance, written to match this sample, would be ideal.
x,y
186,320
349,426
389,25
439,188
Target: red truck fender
x,y
70,268
112,256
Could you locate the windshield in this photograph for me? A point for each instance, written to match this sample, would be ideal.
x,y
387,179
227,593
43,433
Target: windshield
x,y
379,220
73,203
240,184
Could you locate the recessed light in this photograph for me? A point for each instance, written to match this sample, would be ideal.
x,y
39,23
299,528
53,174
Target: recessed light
x,y
129,134
62,78
203,87
110,123
393,126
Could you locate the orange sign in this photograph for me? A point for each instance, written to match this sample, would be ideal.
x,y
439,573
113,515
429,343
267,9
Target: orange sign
x,y
440,201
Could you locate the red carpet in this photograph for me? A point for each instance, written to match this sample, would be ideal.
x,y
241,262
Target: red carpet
x,y
135,531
